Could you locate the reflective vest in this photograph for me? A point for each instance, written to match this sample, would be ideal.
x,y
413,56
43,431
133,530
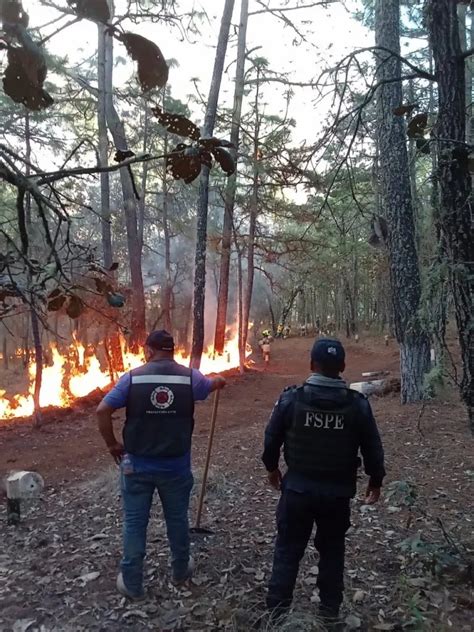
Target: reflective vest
x,y
322,441
160,408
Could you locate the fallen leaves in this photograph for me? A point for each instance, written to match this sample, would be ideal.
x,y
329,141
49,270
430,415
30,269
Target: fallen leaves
x,y
76,531
89,577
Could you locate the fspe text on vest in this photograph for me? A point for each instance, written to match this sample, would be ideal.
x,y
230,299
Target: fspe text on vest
x,y
328,421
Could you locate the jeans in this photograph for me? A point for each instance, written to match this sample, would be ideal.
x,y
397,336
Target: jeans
x,y
137,496
296,514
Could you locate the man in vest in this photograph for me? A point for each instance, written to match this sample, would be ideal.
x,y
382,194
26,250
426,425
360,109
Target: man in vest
x,y
156,454
321,425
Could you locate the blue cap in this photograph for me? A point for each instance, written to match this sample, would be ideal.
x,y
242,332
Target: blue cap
x,y
328,352
160,340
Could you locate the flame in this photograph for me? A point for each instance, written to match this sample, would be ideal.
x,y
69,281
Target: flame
x,y
78,372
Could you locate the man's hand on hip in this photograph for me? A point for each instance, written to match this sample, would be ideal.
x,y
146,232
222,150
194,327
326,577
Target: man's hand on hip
x,y
274,478
116,450
372,495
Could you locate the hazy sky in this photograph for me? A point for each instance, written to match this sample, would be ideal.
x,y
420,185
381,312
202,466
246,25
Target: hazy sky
x,y
331,33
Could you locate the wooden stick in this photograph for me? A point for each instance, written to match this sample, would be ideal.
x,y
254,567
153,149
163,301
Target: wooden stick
x,y
208,457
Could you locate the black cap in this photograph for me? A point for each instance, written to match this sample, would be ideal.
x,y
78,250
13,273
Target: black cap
x,y
328,352
160,340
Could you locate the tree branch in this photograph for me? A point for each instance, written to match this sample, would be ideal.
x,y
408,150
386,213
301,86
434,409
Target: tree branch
x,y
286,9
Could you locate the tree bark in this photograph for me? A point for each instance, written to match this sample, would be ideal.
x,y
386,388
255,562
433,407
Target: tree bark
x,y
142,202
201,228
117,129
35,330
272,315
168,293
27,165
253,217
103,85
5,352
456,218
223,295
397,207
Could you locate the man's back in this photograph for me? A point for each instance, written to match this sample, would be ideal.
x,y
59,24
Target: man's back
x,y
321,425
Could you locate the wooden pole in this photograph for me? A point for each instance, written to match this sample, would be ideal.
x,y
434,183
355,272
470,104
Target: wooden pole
x,y
208,458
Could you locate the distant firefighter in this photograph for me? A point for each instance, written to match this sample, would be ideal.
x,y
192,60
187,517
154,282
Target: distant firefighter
x,y
265,346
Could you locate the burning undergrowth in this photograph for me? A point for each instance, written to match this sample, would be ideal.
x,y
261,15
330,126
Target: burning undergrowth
x,y
78,376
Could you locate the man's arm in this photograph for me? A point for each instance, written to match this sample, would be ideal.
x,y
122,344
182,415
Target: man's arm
x,y
274,439
203,386
372,452
106,429
116,398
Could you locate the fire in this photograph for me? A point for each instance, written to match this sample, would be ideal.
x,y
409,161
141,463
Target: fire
x,y
79,371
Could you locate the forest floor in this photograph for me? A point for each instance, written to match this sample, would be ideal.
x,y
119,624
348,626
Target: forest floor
x,y
409,559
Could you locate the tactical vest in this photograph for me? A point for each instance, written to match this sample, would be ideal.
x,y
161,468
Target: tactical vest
x,y
160,409
322,441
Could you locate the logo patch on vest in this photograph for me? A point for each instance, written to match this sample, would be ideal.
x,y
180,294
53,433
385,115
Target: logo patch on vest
x,y
162,397
328,421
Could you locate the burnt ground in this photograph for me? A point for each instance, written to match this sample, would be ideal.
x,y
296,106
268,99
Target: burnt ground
x,y
407,558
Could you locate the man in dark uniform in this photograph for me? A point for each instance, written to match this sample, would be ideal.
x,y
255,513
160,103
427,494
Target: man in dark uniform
x,y
156,454
321,424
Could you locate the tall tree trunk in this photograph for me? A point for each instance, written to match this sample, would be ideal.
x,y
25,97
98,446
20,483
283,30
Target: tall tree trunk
x,y
142,202
103,85
231,185
456,219
240,304
117,129
272,315
168,293
5,351
470,83
253,216
201,228
27,165
397,206
35,330
288,306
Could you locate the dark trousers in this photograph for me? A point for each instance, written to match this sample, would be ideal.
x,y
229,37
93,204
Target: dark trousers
x,y
296,514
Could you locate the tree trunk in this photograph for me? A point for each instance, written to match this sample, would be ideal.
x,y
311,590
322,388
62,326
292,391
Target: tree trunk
x,y
240,305
102,84
470,83
27,165
117,129
35,330
272,316
142,202
253,216
5,352
168,293
288,306
455,180
223,295
397,207
201,228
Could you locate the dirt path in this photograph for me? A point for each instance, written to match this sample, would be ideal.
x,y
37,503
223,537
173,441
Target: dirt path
x,y
57,569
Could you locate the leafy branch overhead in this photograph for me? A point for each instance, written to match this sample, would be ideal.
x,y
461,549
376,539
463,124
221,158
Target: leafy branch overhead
x,y
26,70
185,161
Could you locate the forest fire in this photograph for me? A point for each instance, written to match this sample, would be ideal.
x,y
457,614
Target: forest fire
x,y
79,371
